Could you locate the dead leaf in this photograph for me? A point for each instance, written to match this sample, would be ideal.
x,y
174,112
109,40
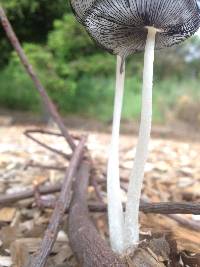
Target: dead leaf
x,y
190,260
8,235
19,254
7,214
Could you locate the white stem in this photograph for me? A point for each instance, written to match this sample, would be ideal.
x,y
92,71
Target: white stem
x,y
115,210
131,229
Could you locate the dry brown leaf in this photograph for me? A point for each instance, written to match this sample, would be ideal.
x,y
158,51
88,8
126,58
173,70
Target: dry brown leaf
x,y
31,244
7,214
8,234
64,254
190,260
186,239
19,254
38,180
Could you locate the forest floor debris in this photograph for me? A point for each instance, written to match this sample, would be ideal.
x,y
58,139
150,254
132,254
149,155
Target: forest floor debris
x,y
172,174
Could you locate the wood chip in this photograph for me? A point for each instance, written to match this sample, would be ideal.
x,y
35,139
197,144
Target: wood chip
x,y
7,214
5,261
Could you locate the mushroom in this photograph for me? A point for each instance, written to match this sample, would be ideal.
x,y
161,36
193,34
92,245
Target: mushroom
x,y
124,27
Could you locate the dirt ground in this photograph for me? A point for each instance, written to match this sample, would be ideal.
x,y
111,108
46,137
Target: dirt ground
x,y
172,174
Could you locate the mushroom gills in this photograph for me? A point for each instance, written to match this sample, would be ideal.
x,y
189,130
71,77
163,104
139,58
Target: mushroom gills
x,y
115,210
131,228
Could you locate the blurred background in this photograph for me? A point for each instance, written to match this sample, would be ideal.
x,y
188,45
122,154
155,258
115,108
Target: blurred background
x,y
80,77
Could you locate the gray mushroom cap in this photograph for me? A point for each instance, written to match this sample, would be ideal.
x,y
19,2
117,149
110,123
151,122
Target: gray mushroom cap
x,y
120,26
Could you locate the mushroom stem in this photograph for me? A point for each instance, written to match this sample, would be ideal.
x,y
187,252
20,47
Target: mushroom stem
x,y
115,210
131,228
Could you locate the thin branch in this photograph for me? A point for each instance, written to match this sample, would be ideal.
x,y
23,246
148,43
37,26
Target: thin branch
x,y
38,199
168,209
171,208
45,132
27,134
90,249
26,194
193,225
97,189
42,202
157,208
61,205
31,164
47,101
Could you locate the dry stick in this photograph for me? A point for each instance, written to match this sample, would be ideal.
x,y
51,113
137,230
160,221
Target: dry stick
x,y
61,205
193,225
168,209
97,190
47,101
13,198
31,164
41,202
65,156
45,132
50,203
182,221
157,208
98,207
90,249
42,131
160,208
37,197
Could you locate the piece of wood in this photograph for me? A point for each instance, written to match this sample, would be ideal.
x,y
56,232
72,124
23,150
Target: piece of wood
x,y
85,241
90,249
7,214
160,208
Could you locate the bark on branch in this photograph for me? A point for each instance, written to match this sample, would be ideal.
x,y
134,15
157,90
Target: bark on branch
x,y
157,208
90,249
160,208
28,133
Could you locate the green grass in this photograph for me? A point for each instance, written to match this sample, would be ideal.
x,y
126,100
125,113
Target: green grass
x,y
94,96
18,93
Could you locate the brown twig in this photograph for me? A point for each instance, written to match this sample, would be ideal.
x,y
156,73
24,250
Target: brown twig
x,y
41,202
157,208
13,198
47,101
90,249
171,208
31,164
61,205
45,132
96,189
37,196
28,134
195,226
